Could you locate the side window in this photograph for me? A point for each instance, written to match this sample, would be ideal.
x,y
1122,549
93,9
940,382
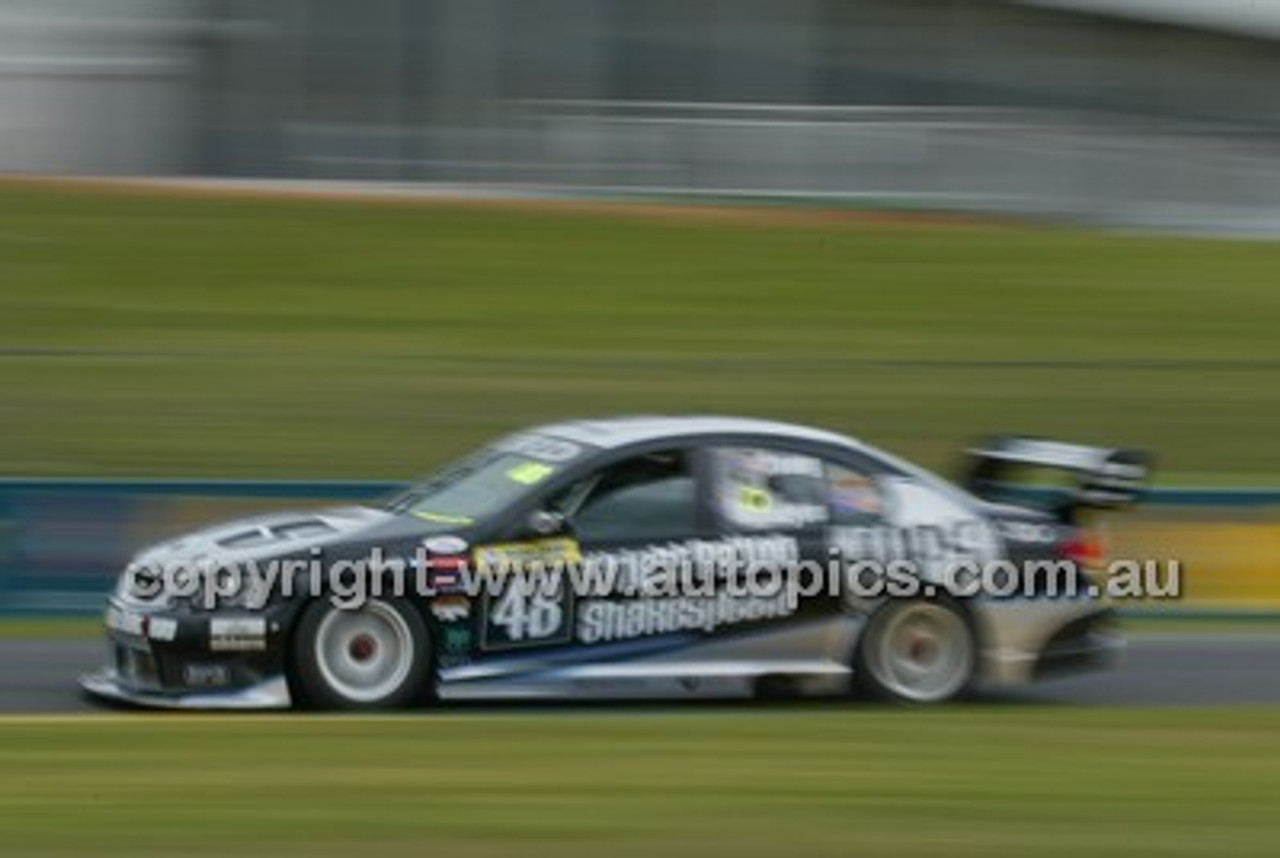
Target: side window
x,y
855,497
648,497
757,489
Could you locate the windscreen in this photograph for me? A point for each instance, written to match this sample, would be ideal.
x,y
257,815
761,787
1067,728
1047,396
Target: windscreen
x,y
486,482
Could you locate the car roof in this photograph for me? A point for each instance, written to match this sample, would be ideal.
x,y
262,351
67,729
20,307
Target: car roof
x,y
622,431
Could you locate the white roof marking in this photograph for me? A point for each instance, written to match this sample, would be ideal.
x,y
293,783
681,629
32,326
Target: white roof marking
x,y
621,431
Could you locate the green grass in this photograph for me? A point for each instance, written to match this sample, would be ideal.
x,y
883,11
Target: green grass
x,y
164,335
838,781
56,628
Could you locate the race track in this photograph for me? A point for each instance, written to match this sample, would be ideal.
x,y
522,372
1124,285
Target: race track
x,y
38,676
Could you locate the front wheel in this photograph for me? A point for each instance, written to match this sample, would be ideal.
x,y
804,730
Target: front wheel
x,y
377,656
916,652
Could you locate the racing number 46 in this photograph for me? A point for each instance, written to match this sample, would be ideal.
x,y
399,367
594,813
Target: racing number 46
x,y
525,614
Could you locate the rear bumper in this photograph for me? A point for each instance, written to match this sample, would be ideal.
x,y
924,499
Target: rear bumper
x,y
1085,644
1025,642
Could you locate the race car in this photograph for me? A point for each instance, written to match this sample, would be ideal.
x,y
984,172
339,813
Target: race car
x,y
638,557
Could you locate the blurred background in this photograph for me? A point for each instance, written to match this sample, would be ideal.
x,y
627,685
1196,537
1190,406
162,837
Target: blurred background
x,y
266,253
1151,112
347,241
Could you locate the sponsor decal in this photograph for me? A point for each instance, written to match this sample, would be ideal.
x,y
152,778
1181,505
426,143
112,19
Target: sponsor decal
x,y
753,464
141,625
523,616
451,609
125,622
206,674
446,574
639,571
456,640
922,544
515,556
788,516
530,473
1028,531
443,518
520,615
754,499
162,628
445,545
601,620
237,634
925,526
638,598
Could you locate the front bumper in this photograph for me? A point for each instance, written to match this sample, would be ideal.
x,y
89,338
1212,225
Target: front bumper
x,y
186,660
106,684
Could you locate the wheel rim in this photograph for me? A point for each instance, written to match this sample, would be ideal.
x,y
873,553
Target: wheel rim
x,y
365,654
922,652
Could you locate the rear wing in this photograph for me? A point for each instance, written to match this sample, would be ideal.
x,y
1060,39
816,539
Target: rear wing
x,y
1011,469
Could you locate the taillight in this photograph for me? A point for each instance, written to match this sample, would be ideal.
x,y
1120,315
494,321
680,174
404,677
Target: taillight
x,y
1086,549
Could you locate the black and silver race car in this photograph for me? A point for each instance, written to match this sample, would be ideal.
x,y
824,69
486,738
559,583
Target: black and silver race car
x,y
636,557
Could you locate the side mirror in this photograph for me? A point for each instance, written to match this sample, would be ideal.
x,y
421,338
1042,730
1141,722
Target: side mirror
x,y
547,523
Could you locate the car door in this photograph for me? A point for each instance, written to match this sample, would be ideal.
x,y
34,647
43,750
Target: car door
x,y
690,592
618,520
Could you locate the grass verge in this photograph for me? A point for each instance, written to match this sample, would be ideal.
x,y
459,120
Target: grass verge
x,y
166,334
980,783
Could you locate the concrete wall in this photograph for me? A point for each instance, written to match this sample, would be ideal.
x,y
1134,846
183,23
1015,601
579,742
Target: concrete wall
x,y
963,103
96,87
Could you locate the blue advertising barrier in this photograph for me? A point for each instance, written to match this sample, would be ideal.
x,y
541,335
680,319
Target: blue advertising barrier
x,y
63,542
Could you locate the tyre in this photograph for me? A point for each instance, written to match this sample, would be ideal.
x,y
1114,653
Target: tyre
x,y
377,656
920,651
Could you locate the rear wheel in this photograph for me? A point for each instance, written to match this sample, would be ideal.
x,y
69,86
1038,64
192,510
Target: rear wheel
x,y
377,656
916,652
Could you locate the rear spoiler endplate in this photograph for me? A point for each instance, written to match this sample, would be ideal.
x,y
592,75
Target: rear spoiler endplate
x,y
1104,477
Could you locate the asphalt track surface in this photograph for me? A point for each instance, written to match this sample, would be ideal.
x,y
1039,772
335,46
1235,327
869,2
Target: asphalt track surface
x,y
1201,669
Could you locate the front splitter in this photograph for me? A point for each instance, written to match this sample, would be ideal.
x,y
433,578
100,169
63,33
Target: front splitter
x,y
269,694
